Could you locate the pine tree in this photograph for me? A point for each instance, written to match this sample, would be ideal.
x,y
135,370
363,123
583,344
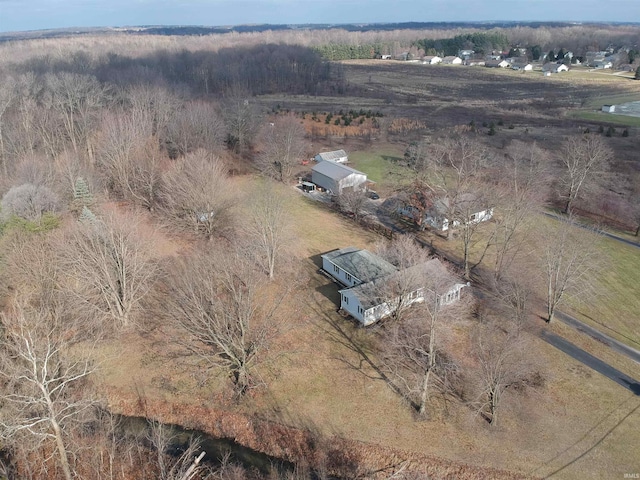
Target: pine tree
x,y
82,196
87,216
637,77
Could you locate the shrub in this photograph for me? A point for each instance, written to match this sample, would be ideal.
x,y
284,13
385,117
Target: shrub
x,y
29,202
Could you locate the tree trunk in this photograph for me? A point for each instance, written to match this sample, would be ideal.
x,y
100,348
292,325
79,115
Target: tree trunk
x,y
424,395
62,451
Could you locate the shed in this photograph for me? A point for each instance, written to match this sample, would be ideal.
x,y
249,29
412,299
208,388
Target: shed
x,y
337,156
336,177
609,108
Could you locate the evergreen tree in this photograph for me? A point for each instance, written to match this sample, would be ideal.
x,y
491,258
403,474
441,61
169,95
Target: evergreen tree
x,y
87,216
81,194
637,77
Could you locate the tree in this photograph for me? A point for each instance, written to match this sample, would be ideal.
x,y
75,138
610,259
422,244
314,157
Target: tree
x,y
353,202
43,383
241,118
225,312
637,75
284,147
268,226
196,125
82,196
413,353
185,466
585,158
198,195
501,363
110,269
29,202
570,259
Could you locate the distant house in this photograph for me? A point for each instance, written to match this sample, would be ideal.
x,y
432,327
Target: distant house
x,y
336,177
385,57
554,68
474,63
627,67
602,64
337,156
431,60
452,60
496,64
466,54
524,67
367,275
609,108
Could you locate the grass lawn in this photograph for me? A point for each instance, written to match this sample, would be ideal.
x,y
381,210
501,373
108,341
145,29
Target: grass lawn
x,y
381,166
624,120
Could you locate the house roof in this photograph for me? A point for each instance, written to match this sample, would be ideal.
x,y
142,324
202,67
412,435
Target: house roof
x,y
450,58
436,278
362,264
334,170
332,156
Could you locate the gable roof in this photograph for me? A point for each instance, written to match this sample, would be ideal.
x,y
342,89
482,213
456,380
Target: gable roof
x,y
334,170
362,264
332,156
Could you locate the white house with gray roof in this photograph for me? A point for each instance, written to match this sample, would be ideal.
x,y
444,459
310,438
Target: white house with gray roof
x,y
336,177
366,276
337,156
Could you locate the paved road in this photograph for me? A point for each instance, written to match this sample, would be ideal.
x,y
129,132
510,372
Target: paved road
x,y
602,232
592,362
614,344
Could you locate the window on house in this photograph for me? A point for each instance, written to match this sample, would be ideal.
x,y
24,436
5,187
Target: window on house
x,y
345,299
348,277
335,268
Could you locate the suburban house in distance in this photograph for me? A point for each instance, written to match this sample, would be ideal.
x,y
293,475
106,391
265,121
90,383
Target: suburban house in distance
x,y
496,64
366,275
338,156
335,177
554,68
431,60
452,60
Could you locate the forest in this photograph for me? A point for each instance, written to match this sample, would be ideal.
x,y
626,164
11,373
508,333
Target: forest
x,y
159,261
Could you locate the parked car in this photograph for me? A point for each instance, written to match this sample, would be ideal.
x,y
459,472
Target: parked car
x,y
373,195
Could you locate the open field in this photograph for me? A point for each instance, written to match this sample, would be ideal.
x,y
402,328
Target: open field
x,y
323,377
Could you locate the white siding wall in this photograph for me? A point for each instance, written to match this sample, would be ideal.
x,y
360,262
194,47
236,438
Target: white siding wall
x,y
354,180
339,274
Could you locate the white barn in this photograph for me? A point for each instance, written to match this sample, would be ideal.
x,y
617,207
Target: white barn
x,y
431,60
337,156
335,177
365,275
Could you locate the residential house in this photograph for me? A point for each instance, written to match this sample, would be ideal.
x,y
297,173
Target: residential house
x,y
466,54
554,68
431,60
438,216
337,156
523,67
627,67
336,177
450,60
602,64
369,279
496,64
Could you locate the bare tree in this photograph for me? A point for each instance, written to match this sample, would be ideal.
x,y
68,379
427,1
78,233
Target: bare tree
x,y
77,99
225,311
185,466
353,202
110,269
198,194
268,226
413,351
520,194
8,92
242,120
44,384
130,159
284,147
585,158
502,362
29,202
196,125
570,259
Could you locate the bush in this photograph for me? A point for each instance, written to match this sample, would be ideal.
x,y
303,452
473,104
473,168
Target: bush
x,y
29,202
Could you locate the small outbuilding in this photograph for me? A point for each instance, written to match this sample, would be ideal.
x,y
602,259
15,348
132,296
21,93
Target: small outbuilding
x,y
609,108
337,156
336,177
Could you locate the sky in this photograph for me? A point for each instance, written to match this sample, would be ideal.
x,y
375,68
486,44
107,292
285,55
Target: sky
x,y
20,15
